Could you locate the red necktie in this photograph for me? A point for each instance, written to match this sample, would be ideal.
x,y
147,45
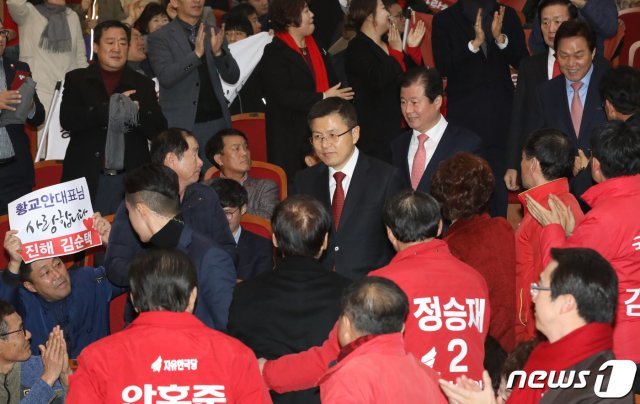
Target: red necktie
x,y
556,69
419,161
338,198
576,107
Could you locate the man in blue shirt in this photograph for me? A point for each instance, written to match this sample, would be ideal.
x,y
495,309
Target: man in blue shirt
x,y
47,294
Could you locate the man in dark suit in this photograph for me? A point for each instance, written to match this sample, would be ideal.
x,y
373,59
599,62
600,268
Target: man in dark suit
x,y
94,100
255,253
474,44
431,139
536,69
620,89
189,58
293,307
572,103
354,186
16,169
199,205
153,206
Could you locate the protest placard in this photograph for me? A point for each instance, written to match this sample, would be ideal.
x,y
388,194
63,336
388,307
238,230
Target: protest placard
x,y
54,221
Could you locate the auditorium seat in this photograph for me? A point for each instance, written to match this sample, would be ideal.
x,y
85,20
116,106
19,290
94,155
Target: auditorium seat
x,y
262,170
253,126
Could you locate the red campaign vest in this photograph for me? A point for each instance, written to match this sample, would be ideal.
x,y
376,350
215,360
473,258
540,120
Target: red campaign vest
x,y
449,310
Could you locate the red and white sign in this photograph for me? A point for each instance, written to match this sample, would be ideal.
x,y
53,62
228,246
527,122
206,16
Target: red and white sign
x,y
54,221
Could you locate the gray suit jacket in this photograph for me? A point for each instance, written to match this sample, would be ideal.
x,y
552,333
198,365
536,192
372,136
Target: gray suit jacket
x,y
263,196
176,67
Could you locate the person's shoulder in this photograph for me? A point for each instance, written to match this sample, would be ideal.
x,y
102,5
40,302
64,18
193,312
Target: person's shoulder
x,y
461,133
164,31
254,238
377,166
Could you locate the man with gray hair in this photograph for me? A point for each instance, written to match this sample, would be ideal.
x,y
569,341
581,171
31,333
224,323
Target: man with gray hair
x,y
373,365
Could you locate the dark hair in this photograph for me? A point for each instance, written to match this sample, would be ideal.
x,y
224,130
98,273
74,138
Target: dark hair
x,y
429,78
105,25
285,13
554,150
334,105
6,309
573,11
621,86
243,9
156,186
412,216
215,145
572,28
518,357
375,306
230,192
590,279
238,23
172,140
494,358
299,224
150,11
162,279
463,185
616,145
359,10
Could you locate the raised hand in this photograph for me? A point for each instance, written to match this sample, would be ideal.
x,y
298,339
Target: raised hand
x,y
199,45
395,42
53,358
496,25
416,34
477,27
13,247
102,226
217,40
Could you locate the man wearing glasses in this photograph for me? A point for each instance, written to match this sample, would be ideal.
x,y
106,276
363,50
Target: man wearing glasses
x,y
47,294
353,186
17,176
26,378
575,299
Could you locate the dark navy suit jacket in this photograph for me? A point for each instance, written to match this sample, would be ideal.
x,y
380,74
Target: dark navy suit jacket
x,y
255,255
455,139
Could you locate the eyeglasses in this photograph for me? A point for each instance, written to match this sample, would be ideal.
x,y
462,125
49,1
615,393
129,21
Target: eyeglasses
x,y
318,138
535,288
4,33
230,213
13,332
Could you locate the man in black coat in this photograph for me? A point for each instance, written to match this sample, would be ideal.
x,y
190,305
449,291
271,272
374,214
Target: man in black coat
x,y
534,70
294,307
474,44
354,186
418,157
90,113
16,172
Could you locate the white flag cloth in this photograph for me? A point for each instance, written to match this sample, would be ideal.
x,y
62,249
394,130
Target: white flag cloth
x,y
247,54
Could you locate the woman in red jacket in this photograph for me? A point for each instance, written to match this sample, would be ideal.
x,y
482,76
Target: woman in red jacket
x,y
463,186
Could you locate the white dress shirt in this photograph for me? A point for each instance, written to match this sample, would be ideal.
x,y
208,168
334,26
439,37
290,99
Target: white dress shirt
x,y
551,58
435,134
348,170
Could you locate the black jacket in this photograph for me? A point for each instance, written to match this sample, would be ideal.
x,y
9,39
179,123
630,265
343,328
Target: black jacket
x,y
290,91
285,311
17,176
360,245
84,112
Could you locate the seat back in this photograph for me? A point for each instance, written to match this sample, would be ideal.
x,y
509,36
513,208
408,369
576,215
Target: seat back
x,y
260,169
116,313
634,56
253,126
631,19
48,172
257,225
612,44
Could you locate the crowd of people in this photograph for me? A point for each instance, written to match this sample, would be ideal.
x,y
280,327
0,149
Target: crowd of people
x,y
392,273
